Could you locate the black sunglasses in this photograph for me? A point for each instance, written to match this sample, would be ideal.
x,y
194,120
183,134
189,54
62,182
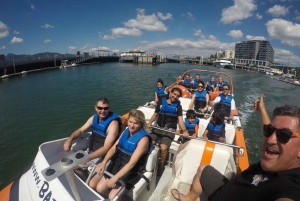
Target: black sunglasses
x,y
200,86
283,135
102,108
225,89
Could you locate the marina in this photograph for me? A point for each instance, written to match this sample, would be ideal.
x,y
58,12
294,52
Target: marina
x,y
41,129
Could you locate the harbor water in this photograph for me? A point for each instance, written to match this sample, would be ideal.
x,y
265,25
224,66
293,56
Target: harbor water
x,y
48,105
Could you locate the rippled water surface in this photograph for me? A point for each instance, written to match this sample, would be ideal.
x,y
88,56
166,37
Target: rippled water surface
x,y
49,105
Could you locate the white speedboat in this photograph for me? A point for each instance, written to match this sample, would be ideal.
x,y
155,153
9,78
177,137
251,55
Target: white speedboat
x,y
51,175
222,63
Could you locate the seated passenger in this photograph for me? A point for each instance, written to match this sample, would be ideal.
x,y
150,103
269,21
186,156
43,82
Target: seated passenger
x,y
211,86
200,99
105,126
160,91
168,113
191,123
196,81
186,81
128,157
221,84
215,129
226,103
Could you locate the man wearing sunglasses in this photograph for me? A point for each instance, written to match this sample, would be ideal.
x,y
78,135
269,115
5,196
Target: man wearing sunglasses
x,y
105,126
275,177
225,102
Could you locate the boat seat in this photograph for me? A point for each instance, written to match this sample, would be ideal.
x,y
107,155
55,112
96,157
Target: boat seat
x,y
144,187
148,112
185,102
187,161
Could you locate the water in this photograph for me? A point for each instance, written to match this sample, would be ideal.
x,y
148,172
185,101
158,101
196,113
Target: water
x,y
49,105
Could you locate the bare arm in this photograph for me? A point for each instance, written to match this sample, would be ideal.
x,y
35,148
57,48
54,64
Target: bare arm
x,y
205,135
283,199
192,102
77,133
182,126
112,133
155,98
260,108
152,119
141,149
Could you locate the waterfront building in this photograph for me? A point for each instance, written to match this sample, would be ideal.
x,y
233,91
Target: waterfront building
x,y
255,50
229,54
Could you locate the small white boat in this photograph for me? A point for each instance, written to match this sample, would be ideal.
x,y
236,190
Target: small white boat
x,y
222,63
51,175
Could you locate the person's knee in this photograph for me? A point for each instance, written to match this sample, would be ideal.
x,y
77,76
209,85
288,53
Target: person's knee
x,y
93,183
200,169
163,148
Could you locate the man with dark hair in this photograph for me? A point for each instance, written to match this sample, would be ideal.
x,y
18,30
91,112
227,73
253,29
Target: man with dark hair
x,y
225,102
105,126
186,81
275,177
168,113
196,81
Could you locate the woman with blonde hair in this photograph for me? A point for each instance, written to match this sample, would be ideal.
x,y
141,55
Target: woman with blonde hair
x,y
128,157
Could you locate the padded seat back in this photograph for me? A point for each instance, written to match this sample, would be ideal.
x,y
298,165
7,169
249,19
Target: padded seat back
x,y
144,187
185,102
188,159
148,112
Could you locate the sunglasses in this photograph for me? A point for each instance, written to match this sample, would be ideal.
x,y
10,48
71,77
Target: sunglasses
x,y
225,89
102,108
200,86
283,135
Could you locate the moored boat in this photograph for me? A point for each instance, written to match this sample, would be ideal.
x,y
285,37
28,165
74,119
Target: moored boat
x,y
230,157
222,63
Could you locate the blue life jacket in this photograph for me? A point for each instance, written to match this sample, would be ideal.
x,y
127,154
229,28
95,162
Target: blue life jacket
x,y
200,99
215,130
125,148
226,101
128,144
167,115
209,86
99,130
161,92
195,84
221,86
191,127
186,83
101,127
225,105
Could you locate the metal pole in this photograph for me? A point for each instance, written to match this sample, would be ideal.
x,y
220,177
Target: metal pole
x,y
14,64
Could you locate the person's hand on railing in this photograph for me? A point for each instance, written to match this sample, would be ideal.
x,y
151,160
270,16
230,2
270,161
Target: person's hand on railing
x,y
112,182
100,168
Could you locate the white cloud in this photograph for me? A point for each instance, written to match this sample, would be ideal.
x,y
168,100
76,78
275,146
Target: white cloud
x,y
197,32
3,30
32,7
168,16
16,40
236,34
248,37
46,26
108,37
96,49
285,31
126,32
47,41
3,47
298,18
72,47
189,15
146,22
286,58
242,9
16,32
180,46
258,16
84,47
278,10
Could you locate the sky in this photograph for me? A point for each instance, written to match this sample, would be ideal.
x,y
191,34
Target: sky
x,y
172,27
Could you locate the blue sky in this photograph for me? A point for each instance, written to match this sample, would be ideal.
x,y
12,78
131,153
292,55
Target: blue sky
x,y
194,28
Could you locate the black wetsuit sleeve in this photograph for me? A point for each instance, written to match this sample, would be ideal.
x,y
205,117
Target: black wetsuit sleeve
x,y
157,108
179,110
